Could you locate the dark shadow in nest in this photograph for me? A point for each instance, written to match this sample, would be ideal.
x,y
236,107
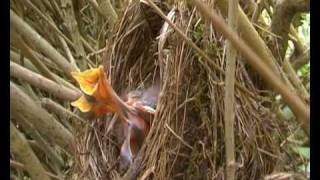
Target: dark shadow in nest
x,y
186,139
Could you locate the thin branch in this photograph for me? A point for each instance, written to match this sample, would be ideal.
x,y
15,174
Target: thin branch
x,y
59,110
229,100
106,10
68,52
87,45
293,77
41,82
20,147
70,19
34,38
22,106
281,20
178,137
23,167
251,36
19,42
300,109
15,57
197,49
301,60
43,144
49,22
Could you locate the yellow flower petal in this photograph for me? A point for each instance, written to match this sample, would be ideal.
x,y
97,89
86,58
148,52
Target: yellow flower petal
x,y
88,80
82,104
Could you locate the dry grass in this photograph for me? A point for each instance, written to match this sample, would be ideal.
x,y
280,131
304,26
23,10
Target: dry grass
x,y
186,140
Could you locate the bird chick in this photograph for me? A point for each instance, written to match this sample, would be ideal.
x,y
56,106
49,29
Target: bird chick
x,y
135,114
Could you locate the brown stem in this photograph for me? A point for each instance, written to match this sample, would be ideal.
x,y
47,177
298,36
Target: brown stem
x,y
197,49
15,57
229,100
106,10
41,82
20,147
19,42
43,144
72,24
62,112
251,36
22,106
293,77
300,109
301,60
281,20
22,166
34,38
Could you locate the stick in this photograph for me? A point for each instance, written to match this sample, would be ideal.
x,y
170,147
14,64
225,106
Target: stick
x,y
300,109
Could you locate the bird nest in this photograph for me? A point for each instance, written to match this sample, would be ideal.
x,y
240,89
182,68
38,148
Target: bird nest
x,y
186,139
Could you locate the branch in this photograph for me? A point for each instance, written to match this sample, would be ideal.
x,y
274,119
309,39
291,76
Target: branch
x,y
72,24
22,106
59,110
43,83
68,52
48,20
15,57
19,43
251,37
43,144
301,60
197,49
35,39
20,147
292,75
22,166
283,14
300,109
229,100
106,10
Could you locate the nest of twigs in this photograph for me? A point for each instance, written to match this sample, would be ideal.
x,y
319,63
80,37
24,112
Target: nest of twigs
x,y
186,139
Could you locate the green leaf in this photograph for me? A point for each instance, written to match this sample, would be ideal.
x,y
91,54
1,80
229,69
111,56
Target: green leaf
x,y
302,151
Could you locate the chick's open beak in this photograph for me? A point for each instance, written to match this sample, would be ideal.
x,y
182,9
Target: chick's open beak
x,y
99,98
94,85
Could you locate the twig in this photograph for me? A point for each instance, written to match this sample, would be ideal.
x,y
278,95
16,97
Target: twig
x,y
27,64
43,144
300,109
292,75
22,166
281,20
49,22
20,147
71,21
96,52
41,82
34,59
197,49
62,112
106,10
229,100
22,106
178,137
251,36
87,45
33,37
68,52
148,172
